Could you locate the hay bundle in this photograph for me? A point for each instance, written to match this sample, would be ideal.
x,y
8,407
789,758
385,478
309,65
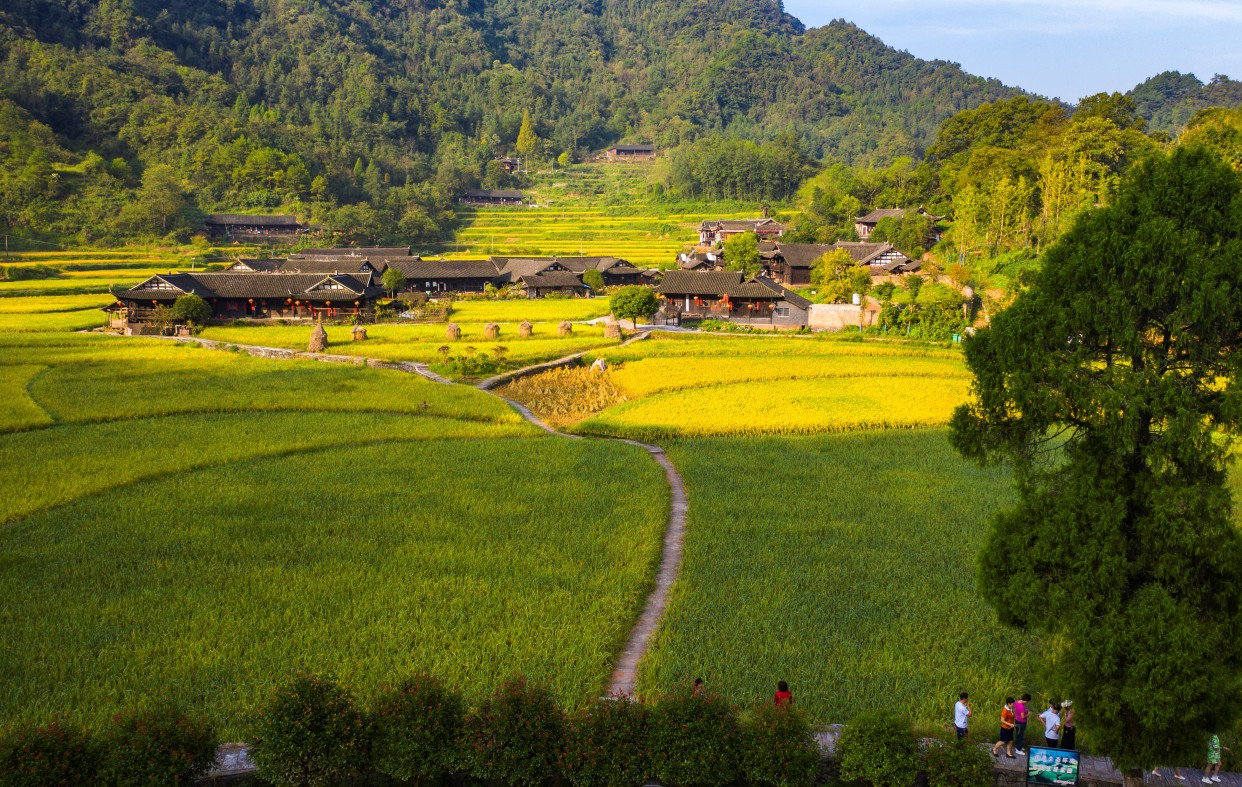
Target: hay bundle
x,y
612,328
452,332
318,340
565,328
358,334
525,329
491,331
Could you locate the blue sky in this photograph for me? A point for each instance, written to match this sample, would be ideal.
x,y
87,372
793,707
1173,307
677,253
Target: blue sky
x,y
1065,49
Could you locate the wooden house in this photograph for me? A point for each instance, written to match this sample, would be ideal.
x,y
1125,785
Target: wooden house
x,y
631,152
445,276
259,295
616,272
490,197
240,225
865,225
548,282
790,264
716,232
726,295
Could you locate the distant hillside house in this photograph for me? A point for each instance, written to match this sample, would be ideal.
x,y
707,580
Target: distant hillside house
x,y
241,225
700,261
717,232
791,264
725,295
490,197
631,151
259,295
350,251
510,164
865,225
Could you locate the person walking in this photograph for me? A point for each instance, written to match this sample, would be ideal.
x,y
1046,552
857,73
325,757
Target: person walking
x,y
1212,772
1068,728
783,696
961,715
1052,724
1020,715
1006,730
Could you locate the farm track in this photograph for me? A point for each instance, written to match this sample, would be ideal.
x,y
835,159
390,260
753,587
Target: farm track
x,y
625,672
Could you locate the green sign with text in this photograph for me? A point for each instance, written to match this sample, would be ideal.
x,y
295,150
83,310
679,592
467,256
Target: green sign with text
x,y
1051,767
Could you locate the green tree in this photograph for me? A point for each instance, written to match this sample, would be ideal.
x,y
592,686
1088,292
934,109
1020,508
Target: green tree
x,y
527,141
831,267
594,279
162,193
741,253
632,302
393,280
1118,108
191,309
1112,386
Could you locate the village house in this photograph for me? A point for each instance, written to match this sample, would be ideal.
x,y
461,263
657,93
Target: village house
x,y
258,295
631,152
510,164
865,225
490,197
716,232
616,272
234,226
700,261
790,264
726,295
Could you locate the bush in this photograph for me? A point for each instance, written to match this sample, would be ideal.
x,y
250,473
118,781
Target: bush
x,y
58,754
606,744
957,764
779,748
156,747
417,730
310,733
694,739
880,749
191,309
515,735
632,302
595,280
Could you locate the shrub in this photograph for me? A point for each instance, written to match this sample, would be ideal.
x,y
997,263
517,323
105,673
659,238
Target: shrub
x,y
694,739
880,749
779,748
606,744
417,729
58,754
632,302
595,280
957,764
191,308
156,747
310,733
515,735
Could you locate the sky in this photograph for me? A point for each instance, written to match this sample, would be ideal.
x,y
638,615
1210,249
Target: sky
x,y
1063,49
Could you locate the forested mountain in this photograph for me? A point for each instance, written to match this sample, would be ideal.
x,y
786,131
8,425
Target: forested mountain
x,y
371,115
1168,101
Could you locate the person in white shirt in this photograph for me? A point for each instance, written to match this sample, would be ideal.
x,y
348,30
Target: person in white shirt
x,y
1052,725
961,715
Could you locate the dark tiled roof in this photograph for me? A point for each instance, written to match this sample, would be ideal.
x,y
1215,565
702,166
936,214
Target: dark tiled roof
x,y
252,220
445,269
253,285
492,193
720,283
745,225
789,295
326,265
893,213
552,279
513,268
800,255
265,266
865,253
634,148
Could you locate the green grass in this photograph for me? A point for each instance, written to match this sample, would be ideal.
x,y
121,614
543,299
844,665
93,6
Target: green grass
x,y
541,310
467,559
19,410
843,564
54,303
52,321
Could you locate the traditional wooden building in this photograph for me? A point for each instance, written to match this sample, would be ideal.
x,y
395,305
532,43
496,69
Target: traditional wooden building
x,y
726,295
631,152
790,264
865,225
259,295
490,197
445,276
700,261
549,282
240,225
616,272
882,259
716,232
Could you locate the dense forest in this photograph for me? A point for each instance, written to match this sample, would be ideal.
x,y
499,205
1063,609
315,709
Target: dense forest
x,y
122,119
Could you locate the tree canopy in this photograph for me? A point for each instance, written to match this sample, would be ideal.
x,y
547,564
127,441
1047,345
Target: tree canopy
x,y
741,253
632,302
1112,385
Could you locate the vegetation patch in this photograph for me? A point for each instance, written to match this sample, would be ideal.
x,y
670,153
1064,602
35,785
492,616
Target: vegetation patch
x,y
565,396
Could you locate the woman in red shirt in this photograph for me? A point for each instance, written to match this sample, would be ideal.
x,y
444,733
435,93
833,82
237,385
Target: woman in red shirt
x,y
1006,733
783,696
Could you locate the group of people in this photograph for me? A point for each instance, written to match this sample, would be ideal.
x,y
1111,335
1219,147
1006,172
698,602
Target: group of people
x,y
1060,730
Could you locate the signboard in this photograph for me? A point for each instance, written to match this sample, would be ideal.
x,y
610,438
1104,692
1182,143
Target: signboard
x,y
1051,767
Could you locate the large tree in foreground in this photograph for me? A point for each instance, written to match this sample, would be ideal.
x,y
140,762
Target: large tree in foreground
x,y
1112,387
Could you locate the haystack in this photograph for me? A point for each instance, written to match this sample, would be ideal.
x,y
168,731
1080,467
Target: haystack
x,y
525,329
612,328
452,332
565,328
318,340
358,334
600,365
491,331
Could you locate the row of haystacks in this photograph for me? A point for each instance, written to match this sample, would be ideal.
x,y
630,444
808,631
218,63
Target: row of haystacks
x,y
491,331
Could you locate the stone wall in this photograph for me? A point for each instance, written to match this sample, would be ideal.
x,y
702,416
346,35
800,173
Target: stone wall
x,y
838,316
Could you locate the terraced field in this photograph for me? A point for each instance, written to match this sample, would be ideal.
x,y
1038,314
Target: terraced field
x,y
95,272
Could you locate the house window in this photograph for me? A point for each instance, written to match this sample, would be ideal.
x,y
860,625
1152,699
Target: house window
x,y
782,311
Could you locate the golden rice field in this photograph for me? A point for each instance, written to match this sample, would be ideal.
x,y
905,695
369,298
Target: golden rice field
x,y
542,310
